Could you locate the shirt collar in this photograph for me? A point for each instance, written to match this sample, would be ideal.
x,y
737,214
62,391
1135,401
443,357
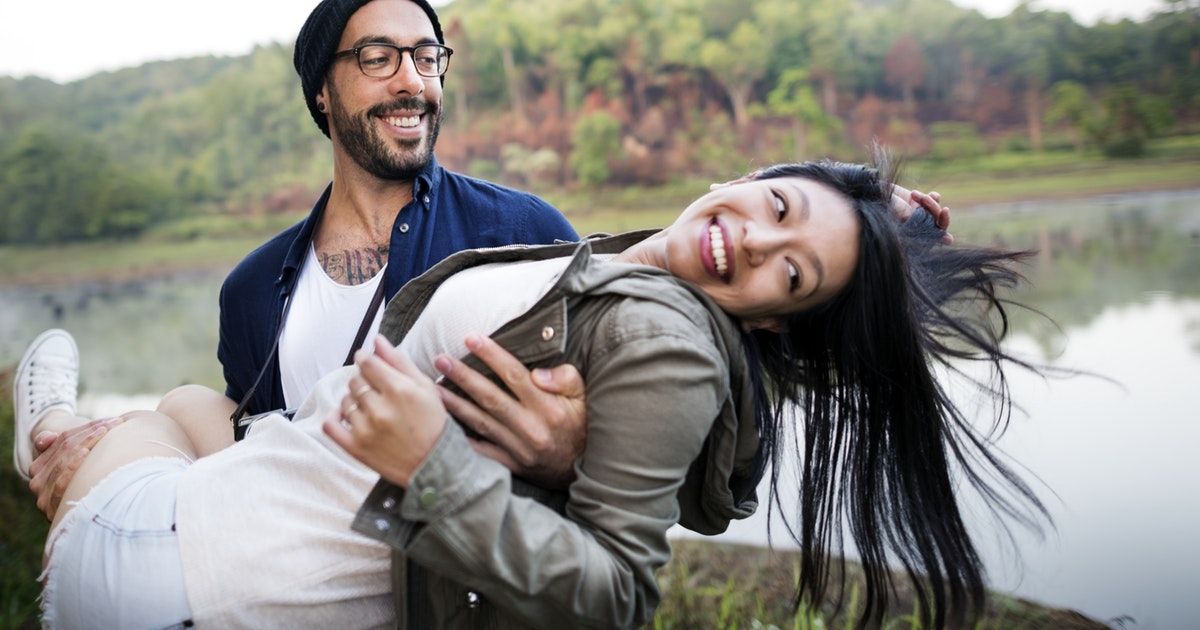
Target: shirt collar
x,y
426,182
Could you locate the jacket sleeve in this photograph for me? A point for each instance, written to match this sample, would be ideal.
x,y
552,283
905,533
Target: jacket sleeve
x,y
652,396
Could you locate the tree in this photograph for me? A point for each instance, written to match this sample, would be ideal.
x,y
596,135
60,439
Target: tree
x,y
793,98
1070,103
905,67
595,142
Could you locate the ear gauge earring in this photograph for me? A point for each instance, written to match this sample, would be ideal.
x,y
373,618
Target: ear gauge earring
x,y
321,107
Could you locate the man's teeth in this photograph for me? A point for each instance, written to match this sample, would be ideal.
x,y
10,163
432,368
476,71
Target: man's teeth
x,y
403,121
718,249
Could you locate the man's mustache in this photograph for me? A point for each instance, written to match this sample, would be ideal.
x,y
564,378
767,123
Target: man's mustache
x,y
407,103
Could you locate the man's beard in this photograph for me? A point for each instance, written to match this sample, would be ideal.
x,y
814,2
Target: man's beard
x,y
385,158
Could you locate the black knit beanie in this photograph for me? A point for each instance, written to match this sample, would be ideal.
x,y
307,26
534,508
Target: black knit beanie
x,y
318,40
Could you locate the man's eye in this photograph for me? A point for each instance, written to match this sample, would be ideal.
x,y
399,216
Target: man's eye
x,y
380,60
793,276
781,208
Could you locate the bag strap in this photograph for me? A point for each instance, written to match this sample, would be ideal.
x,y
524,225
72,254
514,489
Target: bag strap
x,y
361,336
365,326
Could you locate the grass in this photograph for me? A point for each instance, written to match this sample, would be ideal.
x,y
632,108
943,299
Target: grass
x,y
729,587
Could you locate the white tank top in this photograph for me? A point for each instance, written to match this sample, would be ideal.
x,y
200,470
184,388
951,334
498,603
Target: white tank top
x,y
264,525
320,327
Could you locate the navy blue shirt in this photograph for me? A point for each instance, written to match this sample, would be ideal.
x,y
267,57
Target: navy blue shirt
x,y
448,213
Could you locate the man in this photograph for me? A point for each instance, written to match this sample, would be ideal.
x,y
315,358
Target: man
x,y
295,308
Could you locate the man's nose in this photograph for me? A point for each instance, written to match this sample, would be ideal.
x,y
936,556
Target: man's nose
x,y
406,80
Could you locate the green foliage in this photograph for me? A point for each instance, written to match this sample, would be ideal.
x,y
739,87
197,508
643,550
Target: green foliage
x,y
1128,121
64,188
595,142
955,141
23,532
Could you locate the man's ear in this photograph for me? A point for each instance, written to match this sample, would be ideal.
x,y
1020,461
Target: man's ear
x,y
322,99
772,324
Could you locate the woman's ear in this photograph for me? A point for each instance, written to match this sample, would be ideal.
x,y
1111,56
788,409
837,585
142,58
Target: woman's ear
x,y
772,324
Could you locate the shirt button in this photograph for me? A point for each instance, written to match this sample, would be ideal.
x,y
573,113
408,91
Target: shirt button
x,y
428,498
547,333
389,503
382,525
403,228
473,599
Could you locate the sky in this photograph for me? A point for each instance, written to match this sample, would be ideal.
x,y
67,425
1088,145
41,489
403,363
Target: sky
x,y
103,36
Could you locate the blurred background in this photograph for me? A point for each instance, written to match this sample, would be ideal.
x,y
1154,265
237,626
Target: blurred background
x,y
146,147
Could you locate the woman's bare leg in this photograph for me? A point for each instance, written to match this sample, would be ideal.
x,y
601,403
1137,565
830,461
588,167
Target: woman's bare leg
x,y
142,434
203,414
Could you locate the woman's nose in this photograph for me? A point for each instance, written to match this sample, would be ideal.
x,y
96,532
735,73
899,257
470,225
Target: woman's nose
x,y
760,242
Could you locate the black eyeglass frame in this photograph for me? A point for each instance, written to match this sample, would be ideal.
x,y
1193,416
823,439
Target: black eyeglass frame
x,y
411,50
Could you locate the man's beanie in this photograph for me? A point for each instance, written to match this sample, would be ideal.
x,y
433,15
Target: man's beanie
x,y
318,40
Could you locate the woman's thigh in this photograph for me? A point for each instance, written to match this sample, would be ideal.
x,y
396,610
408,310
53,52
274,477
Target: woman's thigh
x,y
114,561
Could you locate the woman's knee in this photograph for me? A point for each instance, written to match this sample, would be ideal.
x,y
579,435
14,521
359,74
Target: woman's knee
x,y
186,397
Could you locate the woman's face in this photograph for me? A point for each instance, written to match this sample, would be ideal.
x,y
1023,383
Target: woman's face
x,y
764,249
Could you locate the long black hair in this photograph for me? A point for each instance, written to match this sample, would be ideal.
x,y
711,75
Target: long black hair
x,y
883,446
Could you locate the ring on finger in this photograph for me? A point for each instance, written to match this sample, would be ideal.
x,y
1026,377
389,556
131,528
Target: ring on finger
x,y
362,391
351,409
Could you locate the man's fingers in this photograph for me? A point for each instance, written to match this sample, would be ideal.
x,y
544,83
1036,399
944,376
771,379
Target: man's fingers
x,y
514,373
479,420
486,394
43,440
562,380
491,451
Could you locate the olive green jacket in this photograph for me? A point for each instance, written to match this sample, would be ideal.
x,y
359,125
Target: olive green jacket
x,y
671,438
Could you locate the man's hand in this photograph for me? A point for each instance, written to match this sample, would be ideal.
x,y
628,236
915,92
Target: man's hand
x,y
61,454
538,434
905,202
391,417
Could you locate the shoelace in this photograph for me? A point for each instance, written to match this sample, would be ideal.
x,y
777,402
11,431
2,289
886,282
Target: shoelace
x,y
51,380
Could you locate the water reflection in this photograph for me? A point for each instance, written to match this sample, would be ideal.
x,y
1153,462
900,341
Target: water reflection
x,y
1121,277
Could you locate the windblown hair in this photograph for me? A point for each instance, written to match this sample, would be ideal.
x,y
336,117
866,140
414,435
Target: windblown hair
x,y
883,444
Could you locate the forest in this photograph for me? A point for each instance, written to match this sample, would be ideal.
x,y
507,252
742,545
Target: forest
x,y
579,94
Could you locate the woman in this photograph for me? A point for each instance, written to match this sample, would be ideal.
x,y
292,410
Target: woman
x,y
795,285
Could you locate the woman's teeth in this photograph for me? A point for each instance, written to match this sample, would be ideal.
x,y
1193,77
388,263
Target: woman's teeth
x,y
403,121
718,249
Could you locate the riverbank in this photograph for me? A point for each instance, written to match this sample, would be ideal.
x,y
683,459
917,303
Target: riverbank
x,y
216,243
706,584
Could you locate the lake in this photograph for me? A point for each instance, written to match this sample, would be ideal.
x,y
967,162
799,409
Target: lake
x,y
1116,456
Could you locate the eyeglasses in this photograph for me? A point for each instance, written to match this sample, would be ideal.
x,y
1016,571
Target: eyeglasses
x,y
381,61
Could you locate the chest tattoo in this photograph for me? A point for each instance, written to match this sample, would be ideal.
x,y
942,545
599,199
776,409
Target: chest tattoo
x,y
353,266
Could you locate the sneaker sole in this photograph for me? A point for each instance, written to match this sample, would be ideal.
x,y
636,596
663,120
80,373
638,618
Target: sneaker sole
x,y
22,441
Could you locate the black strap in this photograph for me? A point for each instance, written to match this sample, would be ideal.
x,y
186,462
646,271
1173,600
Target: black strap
x,y
376,300
365,326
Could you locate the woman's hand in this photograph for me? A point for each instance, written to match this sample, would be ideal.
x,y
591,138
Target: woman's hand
x,y
391,417
905,202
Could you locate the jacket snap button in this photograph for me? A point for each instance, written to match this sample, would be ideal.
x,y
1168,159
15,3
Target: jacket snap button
x,y
547,333
428,498
473,599
426,200
404,228
389,503
382,524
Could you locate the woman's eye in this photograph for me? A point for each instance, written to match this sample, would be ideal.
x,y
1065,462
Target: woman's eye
x,y
781,208
793,276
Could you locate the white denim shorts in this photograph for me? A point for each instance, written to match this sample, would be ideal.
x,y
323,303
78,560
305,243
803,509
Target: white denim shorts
x,y
114,559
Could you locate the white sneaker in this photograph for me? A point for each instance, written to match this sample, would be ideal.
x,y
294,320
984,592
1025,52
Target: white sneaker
x,y
47,379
